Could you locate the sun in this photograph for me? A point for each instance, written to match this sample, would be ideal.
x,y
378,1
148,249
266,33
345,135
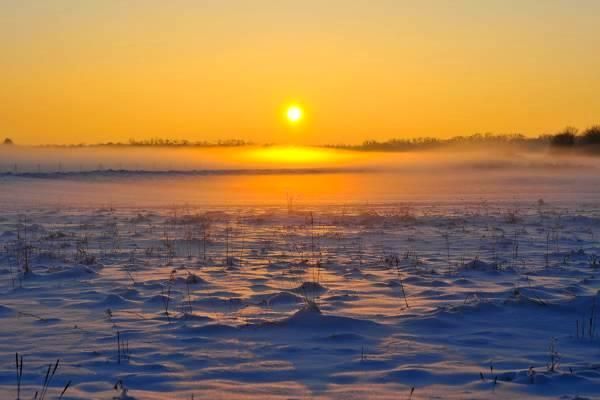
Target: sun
x,y
294,114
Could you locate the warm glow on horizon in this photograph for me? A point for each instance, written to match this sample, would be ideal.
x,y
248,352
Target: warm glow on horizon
x,y
297,155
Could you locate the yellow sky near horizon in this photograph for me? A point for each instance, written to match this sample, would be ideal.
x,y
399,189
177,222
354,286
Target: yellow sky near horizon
x,y
95,71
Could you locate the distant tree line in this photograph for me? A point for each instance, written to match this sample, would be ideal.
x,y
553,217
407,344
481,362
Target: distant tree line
x,y
589,139
184,142
160,142
427,143
570,137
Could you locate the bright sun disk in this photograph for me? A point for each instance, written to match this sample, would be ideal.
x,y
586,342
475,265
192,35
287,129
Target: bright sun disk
x,y
294,114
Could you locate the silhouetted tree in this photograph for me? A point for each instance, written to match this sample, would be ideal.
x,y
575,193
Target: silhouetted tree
x,y
8,141
565,138
591,135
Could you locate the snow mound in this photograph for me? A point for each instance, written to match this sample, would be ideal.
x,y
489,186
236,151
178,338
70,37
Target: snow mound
x,y
313,288
282,298
191,279
310,317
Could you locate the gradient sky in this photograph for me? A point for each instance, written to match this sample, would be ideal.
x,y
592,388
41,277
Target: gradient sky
x,y
91,71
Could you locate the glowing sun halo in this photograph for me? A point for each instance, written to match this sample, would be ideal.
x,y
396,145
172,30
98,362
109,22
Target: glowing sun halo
x,y
294,114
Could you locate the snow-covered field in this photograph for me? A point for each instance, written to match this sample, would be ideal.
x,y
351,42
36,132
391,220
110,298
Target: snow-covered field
x,y
463,300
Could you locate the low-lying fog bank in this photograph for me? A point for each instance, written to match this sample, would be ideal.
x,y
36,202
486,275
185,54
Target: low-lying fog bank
x,y
272,175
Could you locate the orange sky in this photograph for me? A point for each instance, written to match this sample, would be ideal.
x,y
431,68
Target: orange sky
x,y
92,71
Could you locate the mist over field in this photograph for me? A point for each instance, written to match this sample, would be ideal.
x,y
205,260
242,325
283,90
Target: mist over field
x,y
495,152
252,175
